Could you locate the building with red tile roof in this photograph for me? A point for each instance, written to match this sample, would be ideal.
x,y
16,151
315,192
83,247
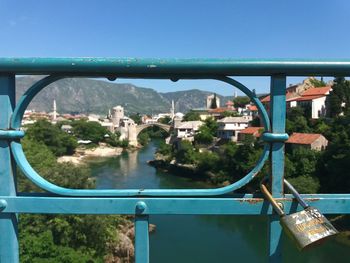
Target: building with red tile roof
x,y
313,141
312,99
250,131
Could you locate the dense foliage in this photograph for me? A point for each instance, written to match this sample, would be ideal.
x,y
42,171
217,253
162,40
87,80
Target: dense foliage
x,y
338,101
62,238
241,101
207,132
49,238
89,130
192,116
59,142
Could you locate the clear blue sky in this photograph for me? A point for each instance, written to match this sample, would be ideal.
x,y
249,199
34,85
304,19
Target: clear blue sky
x,y
180,29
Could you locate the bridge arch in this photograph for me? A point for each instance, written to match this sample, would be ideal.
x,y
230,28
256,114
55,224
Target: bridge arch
x,y
140,128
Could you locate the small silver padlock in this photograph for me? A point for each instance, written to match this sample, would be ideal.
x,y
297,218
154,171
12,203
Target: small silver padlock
x,y
307,227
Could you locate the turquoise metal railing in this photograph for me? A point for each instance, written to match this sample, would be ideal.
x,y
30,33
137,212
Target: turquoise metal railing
x,y
145,202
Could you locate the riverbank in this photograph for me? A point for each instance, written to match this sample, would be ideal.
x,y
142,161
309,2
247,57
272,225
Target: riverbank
x,y
124,250
83,153
188,170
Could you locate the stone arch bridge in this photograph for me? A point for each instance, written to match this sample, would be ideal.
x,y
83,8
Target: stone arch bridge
x,y
135,131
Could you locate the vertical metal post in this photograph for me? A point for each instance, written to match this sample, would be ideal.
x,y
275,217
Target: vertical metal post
x,y
8,221
278,121
141,239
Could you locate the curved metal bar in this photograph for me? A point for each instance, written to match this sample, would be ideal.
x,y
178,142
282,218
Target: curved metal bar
x,y
27,97
27,169
252,96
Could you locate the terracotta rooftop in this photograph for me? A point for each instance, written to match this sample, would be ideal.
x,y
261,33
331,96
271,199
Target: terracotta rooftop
x,y
306,98
253,131
289,96
303,138
230,103
317,91
253,108
314,92
219,110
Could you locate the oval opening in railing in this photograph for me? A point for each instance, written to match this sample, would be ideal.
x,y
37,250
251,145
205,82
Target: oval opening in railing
x,y
118,139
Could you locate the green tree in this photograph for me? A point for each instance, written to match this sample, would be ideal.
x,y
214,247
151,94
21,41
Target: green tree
x,y
212,125
137,118
338,101
91,130
241,101
185,153
296,121
213,104
164,149
334,165
62,238
230,114
204,135
143,138
59,142
192,116
207,161
164,120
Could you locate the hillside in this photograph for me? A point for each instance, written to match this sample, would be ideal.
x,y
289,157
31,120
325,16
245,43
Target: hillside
x,y
81,95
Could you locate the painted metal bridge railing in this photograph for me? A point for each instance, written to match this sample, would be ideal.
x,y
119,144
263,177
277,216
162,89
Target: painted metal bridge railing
x,y
147,202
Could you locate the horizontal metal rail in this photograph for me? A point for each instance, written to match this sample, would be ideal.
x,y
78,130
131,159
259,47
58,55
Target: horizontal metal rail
x,y
248,205
166,68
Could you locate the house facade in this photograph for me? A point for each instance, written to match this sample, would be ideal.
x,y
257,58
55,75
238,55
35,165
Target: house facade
x,y
188,129
313,141
230,127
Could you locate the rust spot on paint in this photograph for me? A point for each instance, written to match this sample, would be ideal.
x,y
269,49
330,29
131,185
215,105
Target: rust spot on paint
x,y
252,201
312,199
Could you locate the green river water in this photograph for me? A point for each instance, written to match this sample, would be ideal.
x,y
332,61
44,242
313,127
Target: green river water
x,y
202,239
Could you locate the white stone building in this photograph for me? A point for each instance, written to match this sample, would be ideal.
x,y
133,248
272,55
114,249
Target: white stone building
x,y
230,127
188,129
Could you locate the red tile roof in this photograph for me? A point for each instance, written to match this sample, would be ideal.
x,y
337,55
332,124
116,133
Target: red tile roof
x,y
229,103
303,138
306,98
311,93
266,99
253,131
219,110
317,91
253,108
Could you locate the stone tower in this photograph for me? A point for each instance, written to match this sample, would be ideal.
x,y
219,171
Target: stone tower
x,y
117,115
210,100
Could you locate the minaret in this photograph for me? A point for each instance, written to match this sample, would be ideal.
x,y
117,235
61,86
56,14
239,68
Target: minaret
x,y
54,117
172,110
235,94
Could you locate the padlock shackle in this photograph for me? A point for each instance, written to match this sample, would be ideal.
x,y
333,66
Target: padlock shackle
x,y
273,202
295,193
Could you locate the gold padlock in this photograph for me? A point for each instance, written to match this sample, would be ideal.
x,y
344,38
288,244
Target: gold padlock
x,y
307,227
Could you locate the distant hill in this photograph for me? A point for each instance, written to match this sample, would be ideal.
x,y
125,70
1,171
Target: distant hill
x,y
82,95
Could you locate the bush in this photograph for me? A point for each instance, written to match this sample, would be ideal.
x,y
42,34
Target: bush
x,y
59,142
92,131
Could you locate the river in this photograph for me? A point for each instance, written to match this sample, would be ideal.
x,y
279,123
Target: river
x,y
202,239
